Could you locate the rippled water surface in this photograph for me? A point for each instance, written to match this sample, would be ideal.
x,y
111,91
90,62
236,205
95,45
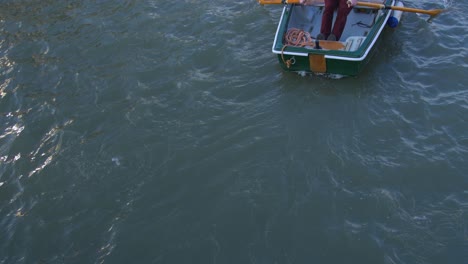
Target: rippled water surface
x,y
166,132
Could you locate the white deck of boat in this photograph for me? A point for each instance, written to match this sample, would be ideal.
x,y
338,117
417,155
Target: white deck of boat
x,y
309,18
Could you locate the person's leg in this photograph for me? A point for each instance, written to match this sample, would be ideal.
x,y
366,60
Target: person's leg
x,y
327,17
341,17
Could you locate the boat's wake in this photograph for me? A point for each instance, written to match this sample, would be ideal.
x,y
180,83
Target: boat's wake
x,y
333,76
448,3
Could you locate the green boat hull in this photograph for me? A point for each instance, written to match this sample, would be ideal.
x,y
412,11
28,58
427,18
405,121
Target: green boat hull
x,y
333,66
359,44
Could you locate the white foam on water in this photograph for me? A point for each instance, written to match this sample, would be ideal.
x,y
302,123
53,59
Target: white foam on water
x,y
116,161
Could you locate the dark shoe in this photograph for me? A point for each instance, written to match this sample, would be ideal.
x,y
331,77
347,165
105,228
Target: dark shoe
x,y
331,37
320,36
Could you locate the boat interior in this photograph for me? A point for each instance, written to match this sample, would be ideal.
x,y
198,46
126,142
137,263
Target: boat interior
x,y
308,18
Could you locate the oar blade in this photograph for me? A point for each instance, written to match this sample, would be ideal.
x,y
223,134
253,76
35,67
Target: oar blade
x,y
435,12
270,2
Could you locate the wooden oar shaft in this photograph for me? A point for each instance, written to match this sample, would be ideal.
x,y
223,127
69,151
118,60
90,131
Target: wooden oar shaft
x,y
433,12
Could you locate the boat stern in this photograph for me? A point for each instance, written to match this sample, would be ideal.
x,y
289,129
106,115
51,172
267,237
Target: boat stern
x,y
299,51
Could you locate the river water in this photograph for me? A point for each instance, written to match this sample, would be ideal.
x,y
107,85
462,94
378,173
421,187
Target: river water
x,y
166,132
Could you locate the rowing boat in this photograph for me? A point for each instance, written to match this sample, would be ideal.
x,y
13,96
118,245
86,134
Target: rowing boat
x,y
298,49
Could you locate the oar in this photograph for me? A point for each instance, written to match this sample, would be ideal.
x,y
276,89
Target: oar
x,y
432,13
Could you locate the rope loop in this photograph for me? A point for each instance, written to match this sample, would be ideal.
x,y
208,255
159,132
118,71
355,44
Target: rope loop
x,y
297,38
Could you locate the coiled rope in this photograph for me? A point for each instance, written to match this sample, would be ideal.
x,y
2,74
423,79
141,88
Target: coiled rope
x,y
297,38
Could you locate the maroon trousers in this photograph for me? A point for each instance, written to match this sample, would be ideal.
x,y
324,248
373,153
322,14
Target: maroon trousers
x,y
340,21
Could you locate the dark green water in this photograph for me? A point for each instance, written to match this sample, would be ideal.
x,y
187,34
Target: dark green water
x,y
166,132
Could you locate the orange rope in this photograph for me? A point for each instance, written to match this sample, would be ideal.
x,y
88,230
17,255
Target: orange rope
x,y
298,38
287,62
